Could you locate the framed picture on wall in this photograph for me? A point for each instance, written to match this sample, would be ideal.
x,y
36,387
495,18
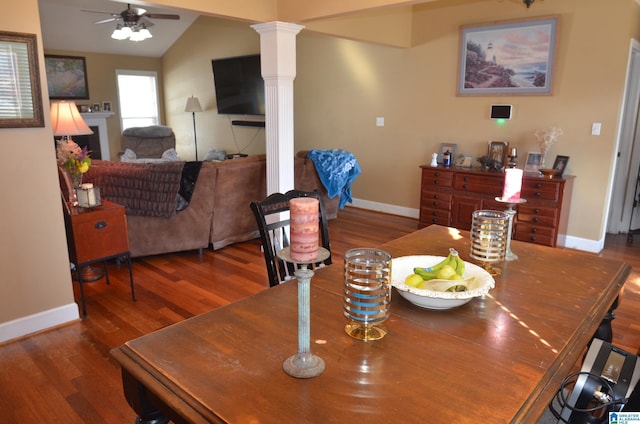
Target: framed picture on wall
x,y
67,77
512,57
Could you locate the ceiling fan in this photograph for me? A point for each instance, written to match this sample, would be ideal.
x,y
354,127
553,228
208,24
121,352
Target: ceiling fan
x,y
133,16
133,22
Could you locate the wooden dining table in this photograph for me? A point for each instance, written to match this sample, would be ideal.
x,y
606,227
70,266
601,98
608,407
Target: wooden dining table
x,y
497,359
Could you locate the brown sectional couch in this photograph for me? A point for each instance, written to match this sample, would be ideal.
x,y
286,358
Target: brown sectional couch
x,y
219,213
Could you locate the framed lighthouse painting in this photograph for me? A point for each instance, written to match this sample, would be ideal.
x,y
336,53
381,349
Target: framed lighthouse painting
x,y
514,57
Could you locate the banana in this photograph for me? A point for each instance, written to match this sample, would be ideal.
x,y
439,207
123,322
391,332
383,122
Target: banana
x,y
459,266
436,267
426,275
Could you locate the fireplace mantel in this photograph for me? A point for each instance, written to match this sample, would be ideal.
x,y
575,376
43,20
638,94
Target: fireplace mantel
x,y
99,119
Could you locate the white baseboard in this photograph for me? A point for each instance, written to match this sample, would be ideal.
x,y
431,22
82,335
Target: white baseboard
x,y
570,242
386,208
38,322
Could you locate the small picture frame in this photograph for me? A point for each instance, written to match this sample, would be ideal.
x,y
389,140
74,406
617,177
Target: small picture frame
x,y
498,151
106,106
533,162
447,147
561,164
464,161
95,107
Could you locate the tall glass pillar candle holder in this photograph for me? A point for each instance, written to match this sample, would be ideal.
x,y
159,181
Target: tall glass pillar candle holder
x,y
367,292
302,251
489,231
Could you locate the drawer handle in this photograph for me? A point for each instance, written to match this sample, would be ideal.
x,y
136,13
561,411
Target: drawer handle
x,y
537,211
100,225
436,182
538,185
465,186
434,220
434,213
536,219
435,204
437,174
535,230
465,179
532,238
538,194
435,196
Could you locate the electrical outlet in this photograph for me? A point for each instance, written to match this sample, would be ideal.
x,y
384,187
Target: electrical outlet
x,y
380,122
595,128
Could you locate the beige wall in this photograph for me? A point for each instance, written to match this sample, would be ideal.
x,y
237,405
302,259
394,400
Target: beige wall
x,y
189,72
343,85
101,76
33,254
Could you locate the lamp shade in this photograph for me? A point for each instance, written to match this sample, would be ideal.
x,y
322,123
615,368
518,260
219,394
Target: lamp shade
x,y
193,105
66,120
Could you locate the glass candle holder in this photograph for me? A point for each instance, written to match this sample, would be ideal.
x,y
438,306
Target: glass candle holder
x,y
367,292
489,235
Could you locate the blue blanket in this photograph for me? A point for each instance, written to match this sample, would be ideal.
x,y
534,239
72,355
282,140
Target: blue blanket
x,y
337,170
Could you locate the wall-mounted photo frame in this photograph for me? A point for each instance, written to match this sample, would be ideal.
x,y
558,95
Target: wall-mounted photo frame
x,y
21,96
512,57
447,147
561,164
533,162
67,77
498,151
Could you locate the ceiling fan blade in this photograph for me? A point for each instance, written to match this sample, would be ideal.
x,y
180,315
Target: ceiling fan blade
x,y
102,13
145,21
104,21
162,16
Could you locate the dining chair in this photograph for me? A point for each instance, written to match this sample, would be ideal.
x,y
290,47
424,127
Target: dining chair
x,y
273,222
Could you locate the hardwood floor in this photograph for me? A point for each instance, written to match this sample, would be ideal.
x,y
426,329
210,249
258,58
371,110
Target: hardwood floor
x,y
67,374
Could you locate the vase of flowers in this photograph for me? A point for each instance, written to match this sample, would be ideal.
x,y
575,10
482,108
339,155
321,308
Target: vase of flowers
x,y
73,161
546,138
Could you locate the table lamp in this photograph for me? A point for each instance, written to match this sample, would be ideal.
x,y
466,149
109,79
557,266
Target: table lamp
x,y
67,121
193,106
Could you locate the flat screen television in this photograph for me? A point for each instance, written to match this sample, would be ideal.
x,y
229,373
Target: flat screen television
x,y
239,85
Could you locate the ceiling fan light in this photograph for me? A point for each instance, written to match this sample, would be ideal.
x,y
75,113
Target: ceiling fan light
x,y
118,34
146,33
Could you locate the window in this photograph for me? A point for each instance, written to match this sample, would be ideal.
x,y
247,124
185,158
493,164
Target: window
x,y
138,98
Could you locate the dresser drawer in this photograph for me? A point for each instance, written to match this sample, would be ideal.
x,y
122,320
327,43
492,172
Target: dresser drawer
x,y
541,189
101,233
535,234
546,217
478,184
435,216
437,177
436,200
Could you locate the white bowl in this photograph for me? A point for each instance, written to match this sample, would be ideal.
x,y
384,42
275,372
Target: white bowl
x,y
403,266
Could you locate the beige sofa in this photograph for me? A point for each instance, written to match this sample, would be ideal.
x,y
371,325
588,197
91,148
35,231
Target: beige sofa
x,y
218,213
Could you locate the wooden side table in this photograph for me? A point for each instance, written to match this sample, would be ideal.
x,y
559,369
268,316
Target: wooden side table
x,y
97,235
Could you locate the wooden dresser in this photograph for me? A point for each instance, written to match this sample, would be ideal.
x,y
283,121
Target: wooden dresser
x,y
448,196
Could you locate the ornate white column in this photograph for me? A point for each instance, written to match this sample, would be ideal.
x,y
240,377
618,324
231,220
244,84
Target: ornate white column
x,y
278,62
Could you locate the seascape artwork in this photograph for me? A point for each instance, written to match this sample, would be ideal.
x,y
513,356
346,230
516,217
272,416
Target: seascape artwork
x,y
514,58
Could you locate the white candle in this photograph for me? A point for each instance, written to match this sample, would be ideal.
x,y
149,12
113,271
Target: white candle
x,y
512,185
86,186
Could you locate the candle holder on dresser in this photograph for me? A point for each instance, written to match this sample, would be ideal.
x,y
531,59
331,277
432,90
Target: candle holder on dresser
x,y
510,256
304,364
